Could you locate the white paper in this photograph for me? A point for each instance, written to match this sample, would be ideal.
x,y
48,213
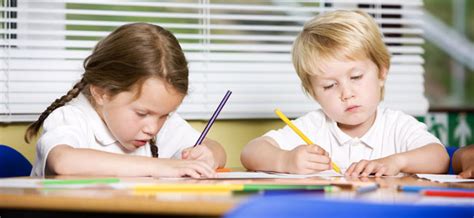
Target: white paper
x,y
20,183
38,183
269,175
443,178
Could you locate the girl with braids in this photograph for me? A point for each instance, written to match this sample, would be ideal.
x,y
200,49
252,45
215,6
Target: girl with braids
x,y
121,113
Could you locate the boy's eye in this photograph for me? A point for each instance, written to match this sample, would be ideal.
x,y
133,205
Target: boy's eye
x,y
356,77
328,86
141,114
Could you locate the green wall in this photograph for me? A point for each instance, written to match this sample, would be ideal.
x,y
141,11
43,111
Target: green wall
x,y
232,134
453,128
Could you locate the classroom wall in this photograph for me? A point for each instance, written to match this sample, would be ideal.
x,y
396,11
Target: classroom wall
x,y
232,134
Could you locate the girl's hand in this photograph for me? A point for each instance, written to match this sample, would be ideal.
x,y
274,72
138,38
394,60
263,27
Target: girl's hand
x,y
306,159
201,153
386,166
184,168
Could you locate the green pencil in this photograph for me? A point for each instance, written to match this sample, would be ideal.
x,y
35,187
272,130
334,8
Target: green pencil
x,y
80,181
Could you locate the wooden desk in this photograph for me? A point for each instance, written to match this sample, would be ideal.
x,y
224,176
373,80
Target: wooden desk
x,y
113,202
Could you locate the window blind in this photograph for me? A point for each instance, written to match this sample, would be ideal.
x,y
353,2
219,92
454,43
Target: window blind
x,y
243,46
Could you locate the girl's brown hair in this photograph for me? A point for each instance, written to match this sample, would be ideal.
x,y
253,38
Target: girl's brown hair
x,y
123,60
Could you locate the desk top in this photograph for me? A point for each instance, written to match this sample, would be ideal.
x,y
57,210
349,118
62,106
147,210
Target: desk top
x,y
109,200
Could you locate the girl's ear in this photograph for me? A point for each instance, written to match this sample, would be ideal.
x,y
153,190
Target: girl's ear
x,y
98,94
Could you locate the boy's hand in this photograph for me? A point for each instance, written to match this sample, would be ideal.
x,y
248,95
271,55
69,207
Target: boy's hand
x,y
200,152
306,159
386,166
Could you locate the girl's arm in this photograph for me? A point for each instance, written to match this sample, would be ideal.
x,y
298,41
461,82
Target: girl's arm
x,y
66,160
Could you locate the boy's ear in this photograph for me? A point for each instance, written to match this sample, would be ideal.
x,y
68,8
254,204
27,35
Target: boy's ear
x,y
98,94
383,76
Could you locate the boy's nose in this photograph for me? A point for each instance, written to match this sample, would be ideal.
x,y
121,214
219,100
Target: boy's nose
x,y
346,93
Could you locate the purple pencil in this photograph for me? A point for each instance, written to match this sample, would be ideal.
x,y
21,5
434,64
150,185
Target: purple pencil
x,y
213,118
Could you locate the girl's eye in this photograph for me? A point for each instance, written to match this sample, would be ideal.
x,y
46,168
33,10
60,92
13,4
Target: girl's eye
x,y
356,77
328,87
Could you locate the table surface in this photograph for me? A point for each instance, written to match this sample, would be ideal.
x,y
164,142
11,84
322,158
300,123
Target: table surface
x,y
108,200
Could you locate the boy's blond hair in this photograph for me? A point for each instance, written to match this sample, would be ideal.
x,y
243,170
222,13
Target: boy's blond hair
x,y
338,35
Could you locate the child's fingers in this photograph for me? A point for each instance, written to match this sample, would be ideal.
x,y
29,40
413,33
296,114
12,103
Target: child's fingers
x,y
317,166
314,149
204,169
319,159
381,171
350,169
359,168
466,174
370,168
197,152
185,153
191,172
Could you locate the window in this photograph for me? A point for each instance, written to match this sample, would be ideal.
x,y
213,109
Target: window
x,y
241,45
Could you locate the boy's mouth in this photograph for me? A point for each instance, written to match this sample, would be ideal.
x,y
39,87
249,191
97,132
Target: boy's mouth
x,y
352,108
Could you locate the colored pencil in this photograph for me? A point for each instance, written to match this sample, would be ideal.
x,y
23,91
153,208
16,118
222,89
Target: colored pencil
x,y
415,188
223,170
445,193
366,188
229,187
213,118
80,181
301,134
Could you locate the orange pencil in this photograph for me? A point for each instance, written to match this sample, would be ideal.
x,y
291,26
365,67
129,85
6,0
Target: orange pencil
x,y
223,170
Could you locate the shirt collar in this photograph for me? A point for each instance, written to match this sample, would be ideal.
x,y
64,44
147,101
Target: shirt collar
x,y
100,130
369,138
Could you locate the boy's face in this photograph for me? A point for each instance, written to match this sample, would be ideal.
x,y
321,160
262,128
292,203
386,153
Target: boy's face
x,y
133,121
349,91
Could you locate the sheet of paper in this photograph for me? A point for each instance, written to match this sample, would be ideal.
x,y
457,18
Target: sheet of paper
x,y
38,183
268,175
20,183
443,178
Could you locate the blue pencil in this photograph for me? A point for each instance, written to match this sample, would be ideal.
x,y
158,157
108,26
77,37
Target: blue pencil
x,y
213,118
414,188
367,188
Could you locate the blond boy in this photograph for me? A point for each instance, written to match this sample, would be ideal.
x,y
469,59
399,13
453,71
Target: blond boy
x,y
342,62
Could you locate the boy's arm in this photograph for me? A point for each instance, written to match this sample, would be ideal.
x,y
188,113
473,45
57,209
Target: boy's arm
x,y
462,158
431,158
66,160
217,151
263,154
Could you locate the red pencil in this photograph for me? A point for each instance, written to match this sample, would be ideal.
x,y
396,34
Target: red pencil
x,y
445,193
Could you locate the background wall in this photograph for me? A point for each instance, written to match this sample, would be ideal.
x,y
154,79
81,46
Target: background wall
x,y
452,128
232,134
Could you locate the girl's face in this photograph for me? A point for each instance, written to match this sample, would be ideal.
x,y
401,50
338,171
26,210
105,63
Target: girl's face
x,y
133,121
349,92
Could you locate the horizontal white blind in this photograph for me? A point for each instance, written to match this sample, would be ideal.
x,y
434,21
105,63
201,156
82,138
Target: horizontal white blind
x,y
241,45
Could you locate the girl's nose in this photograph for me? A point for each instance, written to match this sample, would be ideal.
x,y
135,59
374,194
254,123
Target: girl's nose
x,y
151,128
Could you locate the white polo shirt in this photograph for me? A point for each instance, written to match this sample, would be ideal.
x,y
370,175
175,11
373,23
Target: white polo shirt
x,y
392,132
77,124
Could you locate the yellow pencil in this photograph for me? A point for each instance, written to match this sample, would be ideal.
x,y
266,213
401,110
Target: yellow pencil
x,y
301,134
188,188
